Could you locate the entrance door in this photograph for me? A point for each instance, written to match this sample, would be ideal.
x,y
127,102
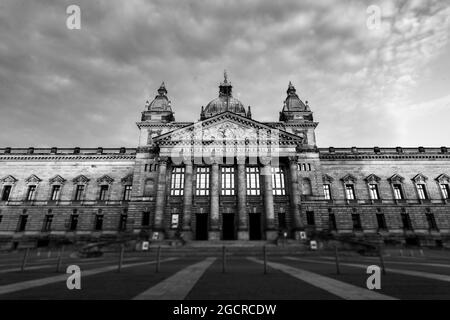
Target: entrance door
x,y
228,226
201,226
255,226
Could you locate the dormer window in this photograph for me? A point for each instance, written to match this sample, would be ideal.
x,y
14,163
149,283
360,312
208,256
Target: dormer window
x,y
444,185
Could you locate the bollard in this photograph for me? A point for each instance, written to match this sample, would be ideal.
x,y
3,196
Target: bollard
x,y
49,254
401,253
411,253
338,271
223,259
421,253
38,254
120,258
24,261
158,258
265,259
383,269
58,264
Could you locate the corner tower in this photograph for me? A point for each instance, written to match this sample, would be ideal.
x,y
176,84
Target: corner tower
x,y
298,118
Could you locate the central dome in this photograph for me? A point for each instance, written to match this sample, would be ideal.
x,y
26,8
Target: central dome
x,y
224,102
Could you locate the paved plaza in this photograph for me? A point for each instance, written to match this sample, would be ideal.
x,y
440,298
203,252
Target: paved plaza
x,y
198,277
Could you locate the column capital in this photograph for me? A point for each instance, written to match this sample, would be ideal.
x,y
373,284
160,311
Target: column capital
x,y
240,160
163,160
293,159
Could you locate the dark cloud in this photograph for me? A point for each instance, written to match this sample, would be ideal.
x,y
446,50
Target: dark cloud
x,y
87,87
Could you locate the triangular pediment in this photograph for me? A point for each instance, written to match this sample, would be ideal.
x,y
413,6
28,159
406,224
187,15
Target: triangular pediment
x,y
33,179
372,178
57,179
419,178
105,180
396,178
443,178
227,127
8,179
81,179
349,178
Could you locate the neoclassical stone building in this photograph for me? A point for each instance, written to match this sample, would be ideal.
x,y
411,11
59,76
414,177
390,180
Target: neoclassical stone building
x,y
226,176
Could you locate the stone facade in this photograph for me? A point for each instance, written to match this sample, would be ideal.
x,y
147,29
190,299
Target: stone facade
x,y
226,176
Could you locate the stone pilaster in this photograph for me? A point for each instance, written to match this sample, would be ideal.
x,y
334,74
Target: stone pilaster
x,y
214,233
271,233
187,200
242,201
294,194
158,225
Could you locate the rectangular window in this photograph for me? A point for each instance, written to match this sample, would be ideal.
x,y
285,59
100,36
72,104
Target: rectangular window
x,y
253,186
22,223
431,221
47,223
123,222
145,219
174,221
73,222
278,183
310,218
6,193
103,192
356,221
31,192
327,191
445,191
381,220
98,224
398,192
332,221
177,182
127,193
350,192
406,221
55,193
79,192
202,182
227,181
422,192
373,189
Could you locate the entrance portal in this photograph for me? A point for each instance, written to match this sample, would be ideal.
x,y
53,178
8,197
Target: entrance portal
x,y
201,226
228,226
255,226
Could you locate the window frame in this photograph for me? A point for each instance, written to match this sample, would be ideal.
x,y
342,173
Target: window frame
x,y
227,181
422,191
6,187
327,191
177,181
202,181
31,192
353,193
253,181
278,181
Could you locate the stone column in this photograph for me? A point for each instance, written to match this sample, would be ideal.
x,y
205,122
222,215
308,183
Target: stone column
x,y
160,198
187,200
271,233
294,195
214,232
242,201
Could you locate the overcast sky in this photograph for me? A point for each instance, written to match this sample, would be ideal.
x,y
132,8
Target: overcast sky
x,y
386,86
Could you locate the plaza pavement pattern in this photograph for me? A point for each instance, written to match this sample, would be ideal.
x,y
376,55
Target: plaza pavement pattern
x,y
179,278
